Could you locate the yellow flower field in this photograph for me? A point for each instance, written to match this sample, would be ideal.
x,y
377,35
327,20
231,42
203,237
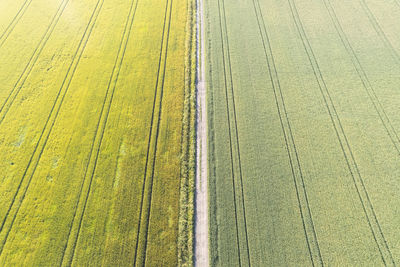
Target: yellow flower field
x,y
95,126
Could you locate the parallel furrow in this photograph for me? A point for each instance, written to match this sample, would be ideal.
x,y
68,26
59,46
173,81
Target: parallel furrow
x,y
344,143
14,22
145,215
5,107
80,207
297,173
394,137
44,136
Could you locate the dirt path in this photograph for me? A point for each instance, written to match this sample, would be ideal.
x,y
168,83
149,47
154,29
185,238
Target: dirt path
x,y
201,209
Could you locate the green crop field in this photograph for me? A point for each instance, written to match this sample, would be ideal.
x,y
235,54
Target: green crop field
x,y
304,132
96,127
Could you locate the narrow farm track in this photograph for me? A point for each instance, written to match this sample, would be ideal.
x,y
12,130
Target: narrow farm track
x,y
145,211
201,254
69,249
5,107
14,22
297,172
41,144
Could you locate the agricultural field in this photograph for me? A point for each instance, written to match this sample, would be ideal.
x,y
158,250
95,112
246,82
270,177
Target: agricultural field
x,y
304,132
96,132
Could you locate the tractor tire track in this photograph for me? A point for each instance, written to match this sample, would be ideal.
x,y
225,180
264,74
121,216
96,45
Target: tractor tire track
x,y
230,136
394,137
98,138
157,134
343,141
5,107
388,258
378,29
140,225
237,135
14,22
226,62
51,119
302,196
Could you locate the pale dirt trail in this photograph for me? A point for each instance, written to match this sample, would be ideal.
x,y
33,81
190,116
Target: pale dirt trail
x,y
201,209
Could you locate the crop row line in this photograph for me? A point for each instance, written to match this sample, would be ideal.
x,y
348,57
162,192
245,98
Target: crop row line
x,y
50,121
227,62
14,22
5,107
146,216
343,141
73,236
302,196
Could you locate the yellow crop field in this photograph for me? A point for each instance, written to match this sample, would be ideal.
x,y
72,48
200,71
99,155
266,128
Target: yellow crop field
x,y
96,132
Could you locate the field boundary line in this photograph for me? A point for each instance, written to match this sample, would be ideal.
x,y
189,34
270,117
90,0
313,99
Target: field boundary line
x,y
186,217
98,138
5,107
148,152
212,183
342,138
54,107
14,22
305,213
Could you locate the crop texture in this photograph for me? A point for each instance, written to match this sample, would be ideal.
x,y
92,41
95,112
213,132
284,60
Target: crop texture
x,y
304,146
96,123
